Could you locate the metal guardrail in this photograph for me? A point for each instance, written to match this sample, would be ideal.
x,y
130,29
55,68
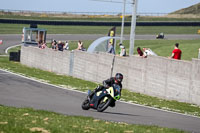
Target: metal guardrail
x,y
88,23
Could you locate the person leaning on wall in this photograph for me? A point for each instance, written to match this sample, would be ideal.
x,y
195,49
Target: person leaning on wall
x,y
147,52
176,53
80,46
199,54
140,52
122,51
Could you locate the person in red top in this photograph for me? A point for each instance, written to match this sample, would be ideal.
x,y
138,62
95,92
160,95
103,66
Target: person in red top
x,y
176,53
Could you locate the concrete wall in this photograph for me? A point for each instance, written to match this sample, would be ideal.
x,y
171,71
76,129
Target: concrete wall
x,y
156,76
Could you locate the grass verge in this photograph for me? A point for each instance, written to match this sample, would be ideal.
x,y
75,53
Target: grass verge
x,y
160,47
52,29
18,120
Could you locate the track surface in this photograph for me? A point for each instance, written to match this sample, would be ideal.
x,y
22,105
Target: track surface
x,y
21,92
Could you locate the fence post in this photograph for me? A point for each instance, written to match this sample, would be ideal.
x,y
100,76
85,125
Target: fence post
x,y
71,63
112,66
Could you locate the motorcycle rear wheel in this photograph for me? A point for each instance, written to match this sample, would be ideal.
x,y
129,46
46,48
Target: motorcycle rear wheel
x,y
104,105
85,104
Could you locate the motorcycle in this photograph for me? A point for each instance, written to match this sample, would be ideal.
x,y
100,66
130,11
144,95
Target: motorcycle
x,y
102,99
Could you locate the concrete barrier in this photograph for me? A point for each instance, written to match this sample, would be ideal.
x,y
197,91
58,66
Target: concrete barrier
x,y
155,76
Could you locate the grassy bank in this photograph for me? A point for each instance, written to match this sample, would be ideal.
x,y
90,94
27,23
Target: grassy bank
x,y
160,47
24,120
17,29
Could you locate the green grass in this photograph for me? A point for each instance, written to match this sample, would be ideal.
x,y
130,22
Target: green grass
x,y
165,19
164,47
161,103
25,120
17,29
15,49
160,47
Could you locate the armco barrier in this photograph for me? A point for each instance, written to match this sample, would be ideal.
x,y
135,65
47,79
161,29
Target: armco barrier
x,y
95,23
156,76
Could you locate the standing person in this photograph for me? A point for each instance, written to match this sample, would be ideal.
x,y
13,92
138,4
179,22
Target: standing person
x,y
176,53
111,48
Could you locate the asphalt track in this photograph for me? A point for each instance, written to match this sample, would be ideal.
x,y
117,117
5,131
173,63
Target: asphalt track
x,y
14,39
22,92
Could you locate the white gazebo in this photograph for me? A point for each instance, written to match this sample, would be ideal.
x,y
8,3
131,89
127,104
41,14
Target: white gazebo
x,y
101,44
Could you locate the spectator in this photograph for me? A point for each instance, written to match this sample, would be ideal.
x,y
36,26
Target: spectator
x,y
80,46
66,47
148,51
176,53
199,54
54,44
43,46
40,44
123,51
60,46
140,53
111,48
119,48
1,41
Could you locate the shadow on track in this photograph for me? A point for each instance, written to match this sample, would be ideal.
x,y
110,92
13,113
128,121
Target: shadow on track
x,y
115,113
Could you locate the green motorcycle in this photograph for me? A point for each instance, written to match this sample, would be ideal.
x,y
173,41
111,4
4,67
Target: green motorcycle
x,y
102,99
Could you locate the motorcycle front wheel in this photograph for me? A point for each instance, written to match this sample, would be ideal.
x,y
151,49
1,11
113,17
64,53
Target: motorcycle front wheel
x,y
103,104
85,104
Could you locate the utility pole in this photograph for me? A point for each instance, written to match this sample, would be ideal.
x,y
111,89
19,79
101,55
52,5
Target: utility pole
x,y
133,25
122,27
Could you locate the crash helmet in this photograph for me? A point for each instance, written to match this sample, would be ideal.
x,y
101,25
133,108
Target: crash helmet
x,y
119,77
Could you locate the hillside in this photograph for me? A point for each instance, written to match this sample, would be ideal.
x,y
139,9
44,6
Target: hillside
x,y
194,9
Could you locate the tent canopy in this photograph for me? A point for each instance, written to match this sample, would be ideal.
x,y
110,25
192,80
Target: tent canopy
x,y
101,44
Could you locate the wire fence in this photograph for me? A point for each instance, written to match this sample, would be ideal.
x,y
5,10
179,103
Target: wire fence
x,y
8,11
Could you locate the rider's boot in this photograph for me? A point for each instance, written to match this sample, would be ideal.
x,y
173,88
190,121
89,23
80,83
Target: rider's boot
x,y
112,104
93,92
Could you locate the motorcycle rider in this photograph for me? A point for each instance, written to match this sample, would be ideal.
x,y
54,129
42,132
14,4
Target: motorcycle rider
x,y
108,83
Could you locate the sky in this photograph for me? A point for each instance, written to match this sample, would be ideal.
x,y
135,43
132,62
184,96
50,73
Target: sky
x,y
144,6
